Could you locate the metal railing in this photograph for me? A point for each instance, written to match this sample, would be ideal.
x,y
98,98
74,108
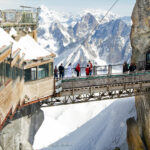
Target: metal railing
x,y
104,70
18,16
96,70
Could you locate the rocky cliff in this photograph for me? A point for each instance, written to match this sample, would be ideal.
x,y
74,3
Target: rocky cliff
x,y
140,41
140,32
19,133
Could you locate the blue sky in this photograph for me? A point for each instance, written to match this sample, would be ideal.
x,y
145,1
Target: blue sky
x,y
123,7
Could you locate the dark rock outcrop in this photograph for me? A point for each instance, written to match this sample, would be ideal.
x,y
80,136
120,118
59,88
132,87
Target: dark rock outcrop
x,y
19,133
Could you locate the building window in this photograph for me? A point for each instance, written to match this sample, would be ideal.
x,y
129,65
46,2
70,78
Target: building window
x,y
5,73
43,71
39,72
14,73
8,71
31,74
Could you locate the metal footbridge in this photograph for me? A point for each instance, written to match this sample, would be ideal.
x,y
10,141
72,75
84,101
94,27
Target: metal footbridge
x,y
100,87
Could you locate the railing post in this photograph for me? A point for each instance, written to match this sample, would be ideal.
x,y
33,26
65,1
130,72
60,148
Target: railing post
x,y
80,72
94,71
109,69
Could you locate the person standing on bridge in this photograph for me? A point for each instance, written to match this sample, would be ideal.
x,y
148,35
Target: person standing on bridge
x,y
132,67
125,67
56,73
61,71
90,67
87,70
69,71
77,69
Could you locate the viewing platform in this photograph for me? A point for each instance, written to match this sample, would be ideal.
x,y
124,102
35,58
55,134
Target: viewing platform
x,y
26,16
24,21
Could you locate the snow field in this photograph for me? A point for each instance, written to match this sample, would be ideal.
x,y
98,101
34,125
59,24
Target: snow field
x,y
90,126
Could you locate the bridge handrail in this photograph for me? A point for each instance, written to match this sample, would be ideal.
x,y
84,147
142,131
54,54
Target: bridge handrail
x,y
105,76
104,70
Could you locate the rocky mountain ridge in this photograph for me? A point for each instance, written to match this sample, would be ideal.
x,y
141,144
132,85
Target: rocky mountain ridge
x,y
83,37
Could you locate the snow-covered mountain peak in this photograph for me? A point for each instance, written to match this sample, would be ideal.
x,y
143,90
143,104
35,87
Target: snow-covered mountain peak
x,y
85,25
99,14
89,18
48,16
83,37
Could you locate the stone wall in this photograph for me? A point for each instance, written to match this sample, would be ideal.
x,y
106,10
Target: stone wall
x,y
19,133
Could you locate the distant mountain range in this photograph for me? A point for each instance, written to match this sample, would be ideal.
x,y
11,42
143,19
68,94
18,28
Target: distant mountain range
x,y
83,37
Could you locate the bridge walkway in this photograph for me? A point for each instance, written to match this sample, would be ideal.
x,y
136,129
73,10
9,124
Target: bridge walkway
x,y
93,88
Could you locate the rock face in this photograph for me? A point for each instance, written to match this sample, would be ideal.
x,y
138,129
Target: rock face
x,y
19,133
140,41
132,132
140,33
138,134
143,120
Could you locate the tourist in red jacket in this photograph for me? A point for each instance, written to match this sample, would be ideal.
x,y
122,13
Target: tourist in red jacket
x,y
78,70
87,70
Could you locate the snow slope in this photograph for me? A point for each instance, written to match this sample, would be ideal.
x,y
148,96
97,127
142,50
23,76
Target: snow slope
x,y
90,126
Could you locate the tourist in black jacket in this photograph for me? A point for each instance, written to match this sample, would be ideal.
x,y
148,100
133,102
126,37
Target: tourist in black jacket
x,y
61,71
